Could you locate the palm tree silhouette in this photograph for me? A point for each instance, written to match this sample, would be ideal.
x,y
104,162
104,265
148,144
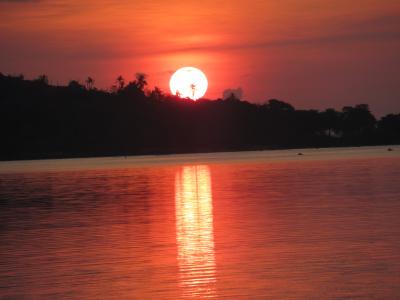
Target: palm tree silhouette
x,y
141,81
89,83
193,88
120,82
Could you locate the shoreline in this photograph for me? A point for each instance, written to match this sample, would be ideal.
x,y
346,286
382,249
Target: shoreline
x,y
294,155
165,153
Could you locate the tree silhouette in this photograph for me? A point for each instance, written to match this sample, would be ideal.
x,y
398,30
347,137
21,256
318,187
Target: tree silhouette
x,y
120,83
156,94
140,81
40,120
43,79
89,83
389,128
277,105
330,119
75,85
232,98
357,120
193,88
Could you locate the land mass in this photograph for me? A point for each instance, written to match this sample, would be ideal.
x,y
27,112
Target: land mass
x,y
40,120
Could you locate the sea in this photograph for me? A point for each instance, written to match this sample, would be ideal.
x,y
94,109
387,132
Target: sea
x,y
284,224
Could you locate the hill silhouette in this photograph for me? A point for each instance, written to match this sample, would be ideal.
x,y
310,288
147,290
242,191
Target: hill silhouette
x,y
39,120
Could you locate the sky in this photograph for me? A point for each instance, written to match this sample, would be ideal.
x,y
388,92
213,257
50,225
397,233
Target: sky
x,y
312,53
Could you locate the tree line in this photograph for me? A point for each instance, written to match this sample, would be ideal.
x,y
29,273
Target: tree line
x,y
40,120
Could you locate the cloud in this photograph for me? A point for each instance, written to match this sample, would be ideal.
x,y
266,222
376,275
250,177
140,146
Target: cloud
x,y
375,29
238,93
307,41
18,1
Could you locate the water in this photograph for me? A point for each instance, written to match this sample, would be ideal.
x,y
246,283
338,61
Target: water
x,y
249,225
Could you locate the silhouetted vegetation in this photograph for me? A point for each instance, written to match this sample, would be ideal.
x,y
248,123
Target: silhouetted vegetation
x,y
41,120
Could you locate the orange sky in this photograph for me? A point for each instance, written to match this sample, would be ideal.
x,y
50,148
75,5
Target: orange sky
x,y
313,54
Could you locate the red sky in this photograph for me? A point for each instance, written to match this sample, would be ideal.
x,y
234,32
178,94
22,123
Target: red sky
x,y
313,54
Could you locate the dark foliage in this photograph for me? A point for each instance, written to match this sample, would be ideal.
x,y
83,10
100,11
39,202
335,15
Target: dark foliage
x,y
41,120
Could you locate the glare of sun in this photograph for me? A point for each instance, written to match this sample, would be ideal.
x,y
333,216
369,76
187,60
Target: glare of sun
x,y
188,82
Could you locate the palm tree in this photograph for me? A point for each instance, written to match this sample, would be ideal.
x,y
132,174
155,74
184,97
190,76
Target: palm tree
x,y
141,81
193,88
89,83
120,82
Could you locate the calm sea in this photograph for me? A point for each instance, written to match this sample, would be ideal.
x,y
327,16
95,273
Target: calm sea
x,y
246,225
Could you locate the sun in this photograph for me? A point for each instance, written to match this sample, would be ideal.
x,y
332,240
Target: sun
x,y
188,82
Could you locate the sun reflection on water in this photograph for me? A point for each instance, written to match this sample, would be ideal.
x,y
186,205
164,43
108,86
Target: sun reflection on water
x,y
194,231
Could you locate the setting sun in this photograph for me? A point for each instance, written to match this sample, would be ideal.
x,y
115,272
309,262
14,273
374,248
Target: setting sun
x,y
188,82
